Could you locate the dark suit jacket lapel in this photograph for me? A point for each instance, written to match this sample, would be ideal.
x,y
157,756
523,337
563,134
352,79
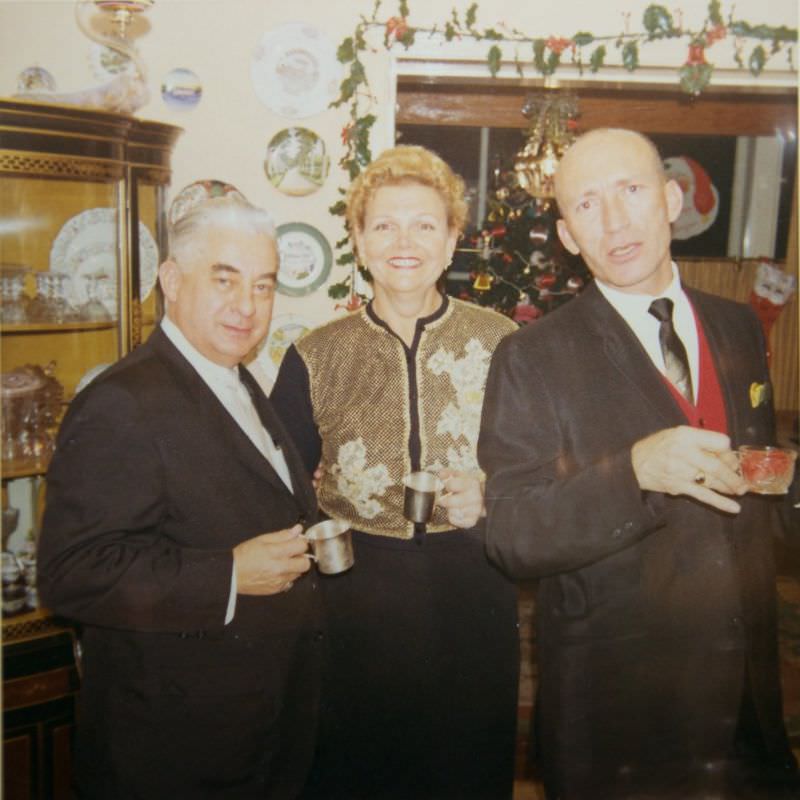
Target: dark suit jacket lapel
x,y
629,358
199,392
303,490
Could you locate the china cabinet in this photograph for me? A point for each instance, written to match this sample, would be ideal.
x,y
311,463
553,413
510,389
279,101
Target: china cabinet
x,y
81,233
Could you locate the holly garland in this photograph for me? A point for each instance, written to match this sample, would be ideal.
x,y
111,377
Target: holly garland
x,y
754,46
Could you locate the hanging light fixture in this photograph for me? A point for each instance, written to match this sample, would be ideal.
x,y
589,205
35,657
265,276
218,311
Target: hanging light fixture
x,y
120,13
552,116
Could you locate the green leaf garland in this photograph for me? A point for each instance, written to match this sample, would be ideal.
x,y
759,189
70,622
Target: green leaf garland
x,y
658,22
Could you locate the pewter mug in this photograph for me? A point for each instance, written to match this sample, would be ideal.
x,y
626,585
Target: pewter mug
x,y
332,545
419,497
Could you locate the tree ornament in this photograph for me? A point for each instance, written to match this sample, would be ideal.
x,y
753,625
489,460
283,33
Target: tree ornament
x,y
539,234
545,281
548,137
483,282
486,246
525,312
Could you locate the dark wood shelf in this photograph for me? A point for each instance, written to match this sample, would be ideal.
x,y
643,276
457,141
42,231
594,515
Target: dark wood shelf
x,y
24,468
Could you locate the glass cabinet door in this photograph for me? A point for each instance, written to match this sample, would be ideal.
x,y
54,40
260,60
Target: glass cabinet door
x,y
150,206
59,279
81,209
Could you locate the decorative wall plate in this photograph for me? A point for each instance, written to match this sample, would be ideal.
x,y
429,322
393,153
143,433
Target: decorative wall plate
x,y
305,259
181,89
87,245
284,330
296,162
35,79
294,70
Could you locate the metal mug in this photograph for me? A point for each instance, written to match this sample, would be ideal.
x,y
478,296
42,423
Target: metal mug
x,y
419,497
332,546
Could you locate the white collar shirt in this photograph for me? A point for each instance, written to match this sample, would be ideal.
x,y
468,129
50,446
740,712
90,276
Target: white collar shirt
x,y
633,308
233,394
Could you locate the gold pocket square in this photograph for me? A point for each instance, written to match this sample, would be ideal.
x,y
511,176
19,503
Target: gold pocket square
x,y
759,394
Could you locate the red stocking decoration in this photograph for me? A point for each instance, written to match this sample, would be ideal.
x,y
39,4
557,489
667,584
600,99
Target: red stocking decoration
x,y
771,291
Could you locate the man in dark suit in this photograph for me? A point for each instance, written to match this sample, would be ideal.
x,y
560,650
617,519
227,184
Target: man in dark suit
x,y
612,480
172,533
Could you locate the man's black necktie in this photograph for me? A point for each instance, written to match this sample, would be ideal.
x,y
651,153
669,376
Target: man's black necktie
x,y
675,360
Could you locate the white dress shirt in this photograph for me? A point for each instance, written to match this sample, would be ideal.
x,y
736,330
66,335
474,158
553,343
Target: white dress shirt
x,y
633,308
233,394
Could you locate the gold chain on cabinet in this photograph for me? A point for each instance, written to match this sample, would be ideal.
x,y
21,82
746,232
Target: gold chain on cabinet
x,y
42,164
29,627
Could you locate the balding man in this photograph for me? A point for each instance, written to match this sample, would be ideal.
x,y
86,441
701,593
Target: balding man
x,y
607,438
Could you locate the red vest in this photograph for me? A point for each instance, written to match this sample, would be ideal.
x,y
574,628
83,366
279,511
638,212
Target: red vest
x,y
709,410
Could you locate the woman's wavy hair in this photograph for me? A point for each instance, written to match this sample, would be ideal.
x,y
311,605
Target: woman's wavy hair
x,y
407,164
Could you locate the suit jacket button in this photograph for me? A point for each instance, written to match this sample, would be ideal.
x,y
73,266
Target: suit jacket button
x,y
616,533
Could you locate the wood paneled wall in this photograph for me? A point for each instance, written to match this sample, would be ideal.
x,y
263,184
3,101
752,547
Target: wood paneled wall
x,y
734,279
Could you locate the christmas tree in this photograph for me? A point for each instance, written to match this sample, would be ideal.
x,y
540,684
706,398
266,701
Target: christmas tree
x,y
516,262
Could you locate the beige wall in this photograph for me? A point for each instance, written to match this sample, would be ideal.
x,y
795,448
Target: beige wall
x,y
226,135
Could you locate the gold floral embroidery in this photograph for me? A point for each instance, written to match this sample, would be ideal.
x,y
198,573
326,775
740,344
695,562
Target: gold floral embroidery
x,y
358,483
462,418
